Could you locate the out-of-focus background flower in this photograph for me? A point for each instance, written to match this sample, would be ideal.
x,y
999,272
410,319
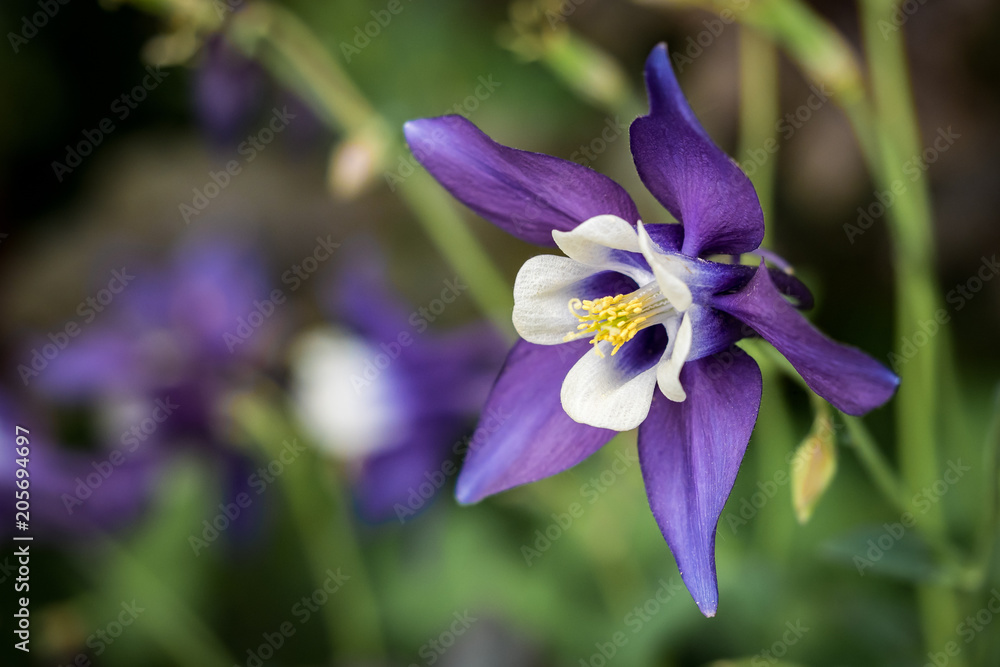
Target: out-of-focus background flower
x,y
249,338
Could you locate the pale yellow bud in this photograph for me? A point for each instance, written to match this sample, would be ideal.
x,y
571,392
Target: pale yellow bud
x,y
814,465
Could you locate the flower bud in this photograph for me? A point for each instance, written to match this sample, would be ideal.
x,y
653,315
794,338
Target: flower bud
x,y
814,464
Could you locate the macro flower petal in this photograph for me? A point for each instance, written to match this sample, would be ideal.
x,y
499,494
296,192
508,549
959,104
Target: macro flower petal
x,y
543,289
716,331
791,286
608,242
528,195
692,177
690,454
524,435
846,377
101,360
668,271
614,391
668,371
387,479
667,236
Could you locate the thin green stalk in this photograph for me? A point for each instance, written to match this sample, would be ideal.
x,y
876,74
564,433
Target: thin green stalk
x,y
287,47
774,435
280,41
910,225
875,463
591,73
442,223
758,116
176,628
353,625
989,531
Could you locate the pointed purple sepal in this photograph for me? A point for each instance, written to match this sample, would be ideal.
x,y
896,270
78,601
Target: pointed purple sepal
x,y
692,177
528,195
524,434
848,378
690,454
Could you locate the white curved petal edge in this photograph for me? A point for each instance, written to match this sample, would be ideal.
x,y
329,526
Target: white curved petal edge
x,y
668,371
542,291
595,241
602,231
598,393
669,272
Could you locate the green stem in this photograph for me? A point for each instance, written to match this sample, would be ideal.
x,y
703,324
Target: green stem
x,y
280,41
591,73
875,463
177,629
353,625
442,224
287,47
774,435
990,528
910,225
758,115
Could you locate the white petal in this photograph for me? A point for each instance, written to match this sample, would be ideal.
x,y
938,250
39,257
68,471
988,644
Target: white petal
x,y
599,393
668,371
542,291
341,395
595,241
669,272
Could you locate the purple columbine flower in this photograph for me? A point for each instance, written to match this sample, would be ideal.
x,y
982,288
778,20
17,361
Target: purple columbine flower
x,y
636,326
157,365
387,395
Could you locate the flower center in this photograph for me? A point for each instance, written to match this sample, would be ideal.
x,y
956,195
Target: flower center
x,y
617,319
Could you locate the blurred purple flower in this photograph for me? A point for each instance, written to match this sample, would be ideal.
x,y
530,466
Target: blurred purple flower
x,y
230,91
54,472
157,366
657,311
227,90
175,328
389,396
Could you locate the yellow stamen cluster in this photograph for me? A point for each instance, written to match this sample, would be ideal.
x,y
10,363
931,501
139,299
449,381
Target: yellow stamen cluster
x,y
607,319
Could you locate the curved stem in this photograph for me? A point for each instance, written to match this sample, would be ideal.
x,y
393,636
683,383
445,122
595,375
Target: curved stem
x,y
442,224
774,435
294,55
178,629
758,116
910,225
353,626
875,463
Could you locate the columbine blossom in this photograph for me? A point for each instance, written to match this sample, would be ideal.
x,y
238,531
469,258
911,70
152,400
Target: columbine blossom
x,y
159,364
636,326
380,391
